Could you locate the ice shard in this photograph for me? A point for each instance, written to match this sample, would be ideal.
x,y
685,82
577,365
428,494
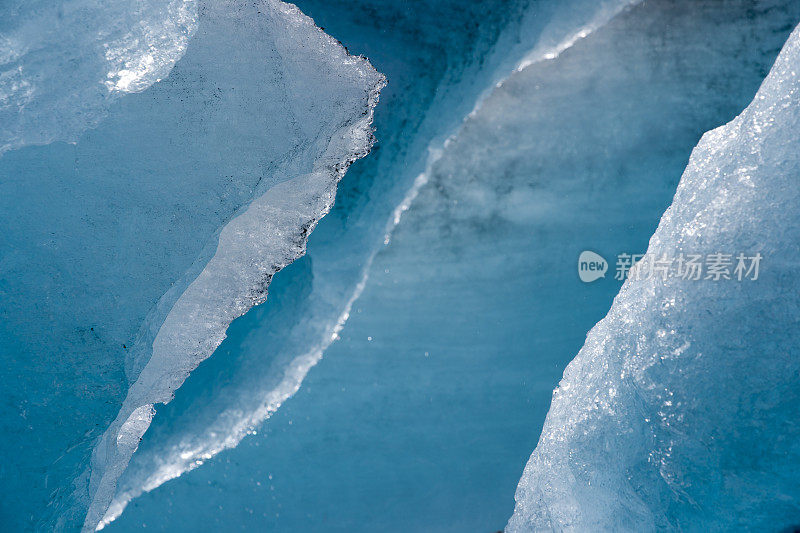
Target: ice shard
x,y
680,411
125,254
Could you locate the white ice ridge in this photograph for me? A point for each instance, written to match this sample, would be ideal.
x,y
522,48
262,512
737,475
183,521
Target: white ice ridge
x,y
191,454
577,20
562,35
267,235
680,411
62,63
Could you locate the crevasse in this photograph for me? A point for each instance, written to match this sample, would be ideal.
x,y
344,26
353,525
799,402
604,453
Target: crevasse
x,y
680,410
440,398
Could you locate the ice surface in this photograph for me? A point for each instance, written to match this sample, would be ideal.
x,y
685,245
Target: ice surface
x,y
124,256
63,63
433,91
680,411
422,415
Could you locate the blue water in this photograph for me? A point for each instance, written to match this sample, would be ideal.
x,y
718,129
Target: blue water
x,y
423,414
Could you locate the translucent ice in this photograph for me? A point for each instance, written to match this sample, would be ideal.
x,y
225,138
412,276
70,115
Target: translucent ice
x,y
421,416
681,410
125,255
436,72
63,63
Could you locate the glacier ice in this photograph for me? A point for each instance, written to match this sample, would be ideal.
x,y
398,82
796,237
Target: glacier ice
x,y
381,436
680,411
63,63
214,414
125,254
208,142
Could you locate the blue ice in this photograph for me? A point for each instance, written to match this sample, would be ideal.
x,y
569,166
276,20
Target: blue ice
x,y
422,414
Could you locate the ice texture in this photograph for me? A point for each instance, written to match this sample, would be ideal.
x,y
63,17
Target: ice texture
x,y
125,255
680,411
438,71
63,63
422,414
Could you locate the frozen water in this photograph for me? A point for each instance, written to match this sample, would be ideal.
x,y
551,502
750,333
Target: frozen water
x,y
421,416
63,63
432,92
680,411
126,254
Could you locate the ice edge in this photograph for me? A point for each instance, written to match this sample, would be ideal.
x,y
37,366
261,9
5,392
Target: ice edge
x,y
529,498
291,383
158,382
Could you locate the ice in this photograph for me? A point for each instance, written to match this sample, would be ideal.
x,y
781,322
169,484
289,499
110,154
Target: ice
x,y
421,415
680,411
432,94
125,254
62,64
